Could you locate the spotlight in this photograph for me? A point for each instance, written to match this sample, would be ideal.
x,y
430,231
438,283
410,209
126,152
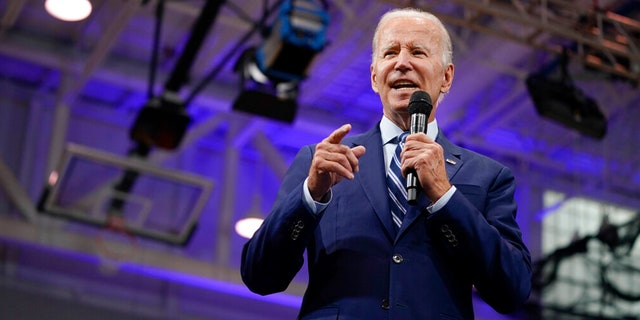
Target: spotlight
x,y
69,10
296,36
161,123
271,73
560,100
567,105
246,227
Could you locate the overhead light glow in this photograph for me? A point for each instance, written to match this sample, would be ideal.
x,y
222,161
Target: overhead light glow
x,y
248,226
68,10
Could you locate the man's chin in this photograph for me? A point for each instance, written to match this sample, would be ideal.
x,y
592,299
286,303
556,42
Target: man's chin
x,y
400,107
403,94
401,99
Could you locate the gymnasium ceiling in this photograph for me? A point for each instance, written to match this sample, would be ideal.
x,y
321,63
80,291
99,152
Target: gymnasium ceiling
x,y
100,68
104,62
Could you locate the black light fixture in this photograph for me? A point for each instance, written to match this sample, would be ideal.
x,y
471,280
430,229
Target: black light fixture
x,y
270,74
560,100
163,120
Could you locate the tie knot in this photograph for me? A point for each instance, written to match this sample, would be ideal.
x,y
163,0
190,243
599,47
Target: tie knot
x,y
399,139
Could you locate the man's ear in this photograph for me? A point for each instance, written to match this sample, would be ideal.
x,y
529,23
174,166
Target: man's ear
x,y
374,78
448,78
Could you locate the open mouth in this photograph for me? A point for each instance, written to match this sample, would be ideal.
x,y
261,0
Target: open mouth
x,y
399,85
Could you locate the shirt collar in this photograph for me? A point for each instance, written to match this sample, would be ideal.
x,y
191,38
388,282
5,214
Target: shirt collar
x,y
390,130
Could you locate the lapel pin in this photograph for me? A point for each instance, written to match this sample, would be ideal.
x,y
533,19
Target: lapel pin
x,y
450,161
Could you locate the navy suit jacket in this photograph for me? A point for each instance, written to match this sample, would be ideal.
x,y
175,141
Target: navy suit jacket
x,y
359,268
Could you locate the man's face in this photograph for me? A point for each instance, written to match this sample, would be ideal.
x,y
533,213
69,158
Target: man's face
x,y
408,58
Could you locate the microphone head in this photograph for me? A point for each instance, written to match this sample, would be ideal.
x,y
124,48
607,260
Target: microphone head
x,y
420,102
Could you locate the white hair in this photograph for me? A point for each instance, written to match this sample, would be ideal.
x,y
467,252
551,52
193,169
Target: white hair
x,y
447,48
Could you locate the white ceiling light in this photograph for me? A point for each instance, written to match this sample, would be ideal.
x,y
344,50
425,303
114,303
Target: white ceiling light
x,y
248,226
68,10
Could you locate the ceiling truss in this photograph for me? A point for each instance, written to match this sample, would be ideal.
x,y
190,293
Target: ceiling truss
x,y
600,38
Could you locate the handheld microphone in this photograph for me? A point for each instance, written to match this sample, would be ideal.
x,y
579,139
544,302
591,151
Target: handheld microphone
x,y
420,107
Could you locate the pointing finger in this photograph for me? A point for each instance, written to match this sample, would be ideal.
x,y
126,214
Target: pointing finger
x,y
337,135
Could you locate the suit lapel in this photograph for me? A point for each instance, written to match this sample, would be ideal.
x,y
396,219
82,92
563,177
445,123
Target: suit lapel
x,y
453,163
452,154
372,176
373,181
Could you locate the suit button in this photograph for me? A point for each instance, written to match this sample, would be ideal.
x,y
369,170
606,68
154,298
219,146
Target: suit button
x,y
295,233
385,304
397,258
449,235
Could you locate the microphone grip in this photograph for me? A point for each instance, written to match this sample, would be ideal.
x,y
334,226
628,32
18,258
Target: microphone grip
x,y
418,124
413,187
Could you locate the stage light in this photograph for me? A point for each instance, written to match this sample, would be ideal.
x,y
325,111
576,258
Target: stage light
x,y
296,37
558,99
246,227
566,104
161,123
68,10
271,72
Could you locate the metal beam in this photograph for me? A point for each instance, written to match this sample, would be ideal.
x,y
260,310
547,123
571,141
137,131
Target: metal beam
x,y
16,192
601,39
11,14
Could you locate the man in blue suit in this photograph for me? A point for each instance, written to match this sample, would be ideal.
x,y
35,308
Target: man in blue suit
x,y
333,204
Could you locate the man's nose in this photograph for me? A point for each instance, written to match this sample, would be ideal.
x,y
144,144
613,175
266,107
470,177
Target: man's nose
x,y
403,61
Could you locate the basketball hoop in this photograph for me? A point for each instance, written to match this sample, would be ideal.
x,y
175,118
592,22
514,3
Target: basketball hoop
x,y
115,244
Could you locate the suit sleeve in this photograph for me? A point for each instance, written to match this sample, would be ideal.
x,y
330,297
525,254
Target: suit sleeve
x,y
477,230
274,255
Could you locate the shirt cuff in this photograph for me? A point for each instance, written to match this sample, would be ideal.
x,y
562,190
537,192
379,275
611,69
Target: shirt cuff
x,y
442,201
314,206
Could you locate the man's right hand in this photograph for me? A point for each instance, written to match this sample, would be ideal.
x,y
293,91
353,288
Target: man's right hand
x,y
331,162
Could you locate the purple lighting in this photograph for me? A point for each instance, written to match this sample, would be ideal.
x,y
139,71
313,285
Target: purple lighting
x,y
580,162
239,290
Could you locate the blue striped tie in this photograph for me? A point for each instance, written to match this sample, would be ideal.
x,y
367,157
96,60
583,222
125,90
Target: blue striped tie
x,y
396,184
